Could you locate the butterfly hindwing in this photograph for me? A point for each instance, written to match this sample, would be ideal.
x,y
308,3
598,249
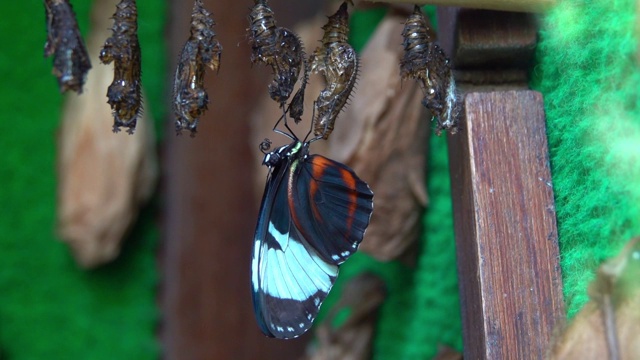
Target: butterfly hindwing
x,y
289,279
330,206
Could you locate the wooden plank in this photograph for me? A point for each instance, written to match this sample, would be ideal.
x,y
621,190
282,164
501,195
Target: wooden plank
x,y
502,5
494,39
510,283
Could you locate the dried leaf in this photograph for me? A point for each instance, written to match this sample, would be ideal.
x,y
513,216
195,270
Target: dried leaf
x,y
447,353
608,326
383,135
361,298
103,178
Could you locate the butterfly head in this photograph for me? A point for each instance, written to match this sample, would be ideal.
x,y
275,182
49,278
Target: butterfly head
x,y
295,150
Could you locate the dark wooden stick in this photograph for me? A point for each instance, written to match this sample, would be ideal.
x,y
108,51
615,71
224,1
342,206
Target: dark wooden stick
x,y
504,5
511,288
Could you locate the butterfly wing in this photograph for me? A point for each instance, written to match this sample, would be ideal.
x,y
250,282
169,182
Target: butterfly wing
x,y
289,279
331,207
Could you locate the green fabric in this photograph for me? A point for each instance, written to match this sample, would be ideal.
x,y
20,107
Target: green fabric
x,y
435,315
589,75
49,309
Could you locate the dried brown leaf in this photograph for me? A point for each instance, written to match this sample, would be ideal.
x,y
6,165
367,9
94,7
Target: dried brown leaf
x,y
103,178
608,326
447,353
362,297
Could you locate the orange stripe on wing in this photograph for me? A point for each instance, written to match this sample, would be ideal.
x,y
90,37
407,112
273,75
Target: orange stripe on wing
x,y
350,182
320,164
318,171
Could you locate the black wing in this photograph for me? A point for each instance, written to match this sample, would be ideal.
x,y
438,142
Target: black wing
x,y
331,207
289,279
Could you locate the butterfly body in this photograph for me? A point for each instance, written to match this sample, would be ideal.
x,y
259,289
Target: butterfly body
x,y
313,216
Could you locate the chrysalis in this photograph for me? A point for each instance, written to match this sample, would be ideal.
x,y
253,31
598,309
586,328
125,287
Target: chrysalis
x,y
425,61
123,49
296,106
338,62
202,49
70,59
281,49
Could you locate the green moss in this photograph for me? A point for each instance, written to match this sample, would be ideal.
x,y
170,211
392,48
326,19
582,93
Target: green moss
x,y
50,309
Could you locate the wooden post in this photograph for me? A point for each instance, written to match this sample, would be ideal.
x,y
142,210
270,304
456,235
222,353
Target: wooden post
x,y
506,237
506,5
511,289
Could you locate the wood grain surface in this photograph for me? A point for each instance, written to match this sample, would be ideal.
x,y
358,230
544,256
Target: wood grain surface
x,y
503,5
511,288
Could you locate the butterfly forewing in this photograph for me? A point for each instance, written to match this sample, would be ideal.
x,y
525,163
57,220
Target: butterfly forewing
x,y
289,279
330,206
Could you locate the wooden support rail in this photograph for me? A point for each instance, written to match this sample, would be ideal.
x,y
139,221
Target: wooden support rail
x,y
504,5
511,288
504,215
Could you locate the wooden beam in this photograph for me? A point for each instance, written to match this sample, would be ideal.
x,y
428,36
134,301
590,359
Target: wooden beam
x,y
503,5
510,282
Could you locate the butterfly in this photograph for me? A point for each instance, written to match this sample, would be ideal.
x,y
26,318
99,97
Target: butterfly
x,y
313,216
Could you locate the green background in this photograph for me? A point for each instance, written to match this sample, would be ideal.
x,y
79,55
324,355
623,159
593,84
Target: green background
x,y
49,308
587,69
